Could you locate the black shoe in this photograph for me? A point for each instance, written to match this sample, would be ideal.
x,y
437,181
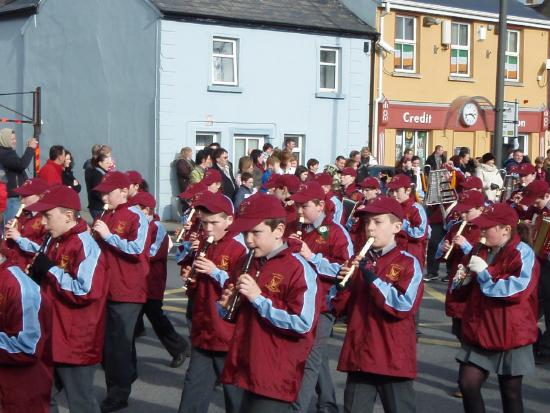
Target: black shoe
x,y
542,358
110,405
178,360
431,277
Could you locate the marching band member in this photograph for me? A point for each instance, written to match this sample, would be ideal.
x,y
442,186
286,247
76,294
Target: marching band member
x,y
23,240
334,207
25,343
380,302
499,324
370,187
175,344
415,229
282,187
275,323
71,272
210,334
326,246
122,235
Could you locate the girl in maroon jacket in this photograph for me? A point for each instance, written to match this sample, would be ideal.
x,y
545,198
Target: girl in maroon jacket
x,y
499,324
275,322
379,352
210,334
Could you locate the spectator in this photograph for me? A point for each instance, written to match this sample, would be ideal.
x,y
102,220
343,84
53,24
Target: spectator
x,y
203,161
245,165
355,156
184,165
273,166
407,155
340,163
366,157
93,177
221,163
293,164
437,159
490,175
417,178
258,166
541,172
547,165
312,167
14,167
285,162
464,162
67,176
52,171
514,160
289,145
267,152
95,151
245,190
302,173
214,146
351,163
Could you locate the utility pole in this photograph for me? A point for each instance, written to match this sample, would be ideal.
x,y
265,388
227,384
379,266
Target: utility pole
x,y
499,101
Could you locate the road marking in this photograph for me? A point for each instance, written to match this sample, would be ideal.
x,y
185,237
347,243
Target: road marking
x,y
174,309
183,299
174,291
434,293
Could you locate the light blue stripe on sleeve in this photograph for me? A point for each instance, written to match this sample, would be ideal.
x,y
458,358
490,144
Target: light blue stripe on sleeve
x,y
466,248
323,266
27,245
301,323
338,208
27,339
514,283
183,251
220,276
240,239
161,233
348,238
393,298
82,284
439,252
136,246
417,232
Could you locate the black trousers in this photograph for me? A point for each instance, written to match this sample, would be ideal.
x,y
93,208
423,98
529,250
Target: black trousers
x,y
432,265
78,384
118,362
254,403
170,339
543,345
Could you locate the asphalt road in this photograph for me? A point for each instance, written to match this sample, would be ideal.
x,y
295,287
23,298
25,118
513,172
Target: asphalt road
x,y
158,388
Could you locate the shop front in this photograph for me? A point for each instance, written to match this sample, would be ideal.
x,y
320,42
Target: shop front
x,y
465,122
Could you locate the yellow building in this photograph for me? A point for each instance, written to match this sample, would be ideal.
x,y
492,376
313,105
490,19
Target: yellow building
x,y
435,77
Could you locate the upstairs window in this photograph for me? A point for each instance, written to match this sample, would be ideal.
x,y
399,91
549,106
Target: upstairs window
x,y
224,62
405,44
329,66
512,56
460,49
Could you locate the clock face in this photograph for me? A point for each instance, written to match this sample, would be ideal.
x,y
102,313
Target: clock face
x,y
469,114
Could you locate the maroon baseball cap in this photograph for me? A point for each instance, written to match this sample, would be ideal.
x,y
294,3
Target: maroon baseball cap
x,y
211,176
323,179
215,203
535,190
307,192
57,196
370,182
256,209
279,181
192,190
349,171
134,177
399,181
144,199
472,182
111,181
469,199
497,214
33,186
525,169
382,205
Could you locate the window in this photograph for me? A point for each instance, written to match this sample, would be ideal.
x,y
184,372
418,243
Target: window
x,y
330,72
405,44
460,49
300,148
243,144
224,62
411,139
512,56
203,139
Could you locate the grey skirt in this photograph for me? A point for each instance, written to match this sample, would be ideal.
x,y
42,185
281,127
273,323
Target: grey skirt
x,y
516,362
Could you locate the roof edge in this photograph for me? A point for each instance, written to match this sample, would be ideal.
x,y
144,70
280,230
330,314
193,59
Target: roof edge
x,y
209,19
19,12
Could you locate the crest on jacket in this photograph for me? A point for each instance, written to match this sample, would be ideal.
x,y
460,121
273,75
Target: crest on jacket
x,y
395,272
274,283
64,261
121,227
224,263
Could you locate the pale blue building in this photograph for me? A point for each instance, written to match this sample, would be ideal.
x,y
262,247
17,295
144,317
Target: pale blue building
x,y
150,77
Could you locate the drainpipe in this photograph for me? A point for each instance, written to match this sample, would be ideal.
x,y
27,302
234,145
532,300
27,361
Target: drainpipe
x,y
379,94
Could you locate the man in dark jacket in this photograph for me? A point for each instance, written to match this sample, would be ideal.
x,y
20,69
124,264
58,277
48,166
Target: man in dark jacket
x,y
437,159
229,185
14,167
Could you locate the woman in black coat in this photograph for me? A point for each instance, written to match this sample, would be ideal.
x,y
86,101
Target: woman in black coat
x,y
67,176
93,177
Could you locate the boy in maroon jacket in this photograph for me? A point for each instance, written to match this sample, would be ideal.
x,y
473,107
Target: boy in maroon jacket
x,y
275,322
211,335
379,351
71,272
326,246
122,234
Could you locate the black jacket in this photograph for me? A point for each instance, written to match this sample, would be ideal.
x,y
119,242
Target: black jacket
x,y
93,177
431,161
15,167
229,185
68,179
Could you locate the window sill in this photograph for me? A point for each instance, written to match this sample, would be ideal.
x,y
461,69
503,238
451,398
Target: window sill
x,y
513,84
225,89
406,74
329,95
461,79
